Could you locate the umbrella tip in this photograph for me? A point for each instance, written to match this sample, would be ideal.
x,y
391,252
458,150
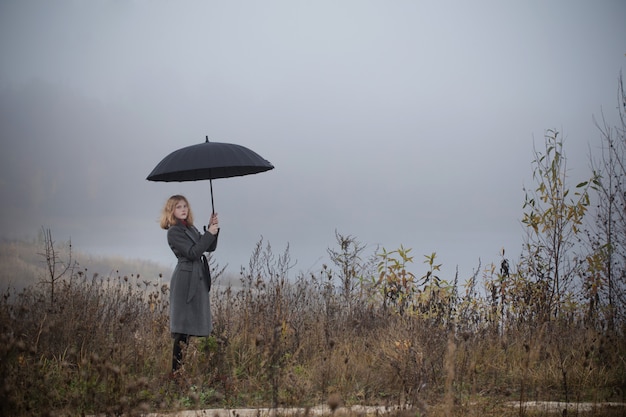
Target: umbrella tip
x,y
207,139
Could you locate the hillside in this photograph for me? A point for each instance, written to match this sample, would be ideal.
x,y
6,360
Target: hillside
x,y
22,263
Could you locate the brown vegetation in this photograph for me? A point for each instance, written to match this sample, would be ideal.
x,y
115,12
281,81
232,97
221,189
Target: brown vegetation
x,y
103,346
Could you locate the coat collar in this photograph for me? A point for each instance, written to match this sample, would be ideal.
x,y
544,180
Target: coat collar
x,y
192,232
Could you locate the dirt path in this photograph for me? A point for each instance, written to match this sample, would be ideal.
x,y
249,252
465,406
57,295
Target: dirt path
x,y
558,407
545,406
268,412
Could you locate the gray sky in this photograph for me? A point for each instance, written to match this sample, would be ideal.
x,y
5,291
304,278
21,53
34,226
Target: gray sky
x,y
398,122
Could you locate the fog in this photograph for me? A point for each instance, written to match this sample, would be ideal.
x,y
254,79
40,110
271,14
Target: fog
x,y
399,123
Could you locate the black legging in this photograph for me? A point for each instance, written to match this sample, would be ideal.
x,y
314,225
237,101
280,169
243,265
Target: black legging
x,y
177,356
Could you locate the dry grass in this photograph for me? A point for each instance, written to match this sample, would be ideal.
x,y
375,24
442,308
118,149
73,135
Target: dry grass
x,y
103,346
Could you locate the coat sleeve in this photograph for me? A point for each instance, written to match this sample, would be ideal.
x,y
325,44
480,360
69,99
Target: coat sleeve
x,y
183,246
214,244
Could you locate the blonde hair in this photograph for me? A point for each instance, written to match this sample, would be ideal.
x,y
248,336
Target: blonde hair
x,y
167,214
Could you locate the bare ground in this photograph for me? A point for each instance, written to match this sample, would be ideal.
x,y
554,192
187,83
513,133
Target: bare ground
x,y
540,406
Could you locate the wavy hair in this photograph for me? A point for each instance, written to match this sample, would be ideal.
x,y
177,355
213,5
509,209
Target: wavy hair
x,y
167,214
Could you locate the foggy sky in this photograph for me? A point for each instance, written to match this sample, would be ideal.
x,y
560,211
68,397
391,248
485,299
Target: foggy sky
x,y
397,122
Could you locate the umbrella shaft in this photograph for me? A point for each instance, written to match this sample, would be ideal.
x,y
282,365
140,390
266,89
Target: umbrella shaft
x,y
212,205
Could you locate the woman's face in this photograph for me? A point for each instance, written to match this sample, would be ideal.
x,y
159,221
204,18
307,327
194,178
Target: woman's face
x,y
181,210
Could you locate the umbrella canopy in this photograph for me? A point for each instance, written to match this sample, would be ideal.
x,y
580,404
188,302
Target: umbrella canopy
x,y
208,161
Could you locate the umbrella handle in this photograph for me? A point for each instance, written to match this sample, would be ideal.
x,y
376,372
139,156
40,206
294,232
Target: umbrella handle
x,y
212,205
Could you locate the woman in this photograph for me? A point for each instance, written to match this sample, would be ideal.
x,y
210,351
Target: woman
x,y
190,308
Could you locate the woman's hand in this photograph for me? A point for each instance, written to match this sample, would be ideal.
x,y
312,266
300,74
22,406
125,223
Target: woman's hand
x,y
214,224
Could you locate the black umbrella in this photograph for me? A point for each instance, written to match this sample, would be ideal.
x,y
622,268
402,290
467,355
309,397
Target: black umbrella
x,y
208,161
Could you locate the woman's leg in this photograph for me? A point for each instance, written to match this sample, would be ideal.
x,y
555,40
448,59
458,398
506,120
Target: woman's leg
x,y
180,342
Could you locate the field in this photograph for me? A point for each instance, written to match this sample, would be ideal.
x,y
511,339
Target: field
x,y
364,333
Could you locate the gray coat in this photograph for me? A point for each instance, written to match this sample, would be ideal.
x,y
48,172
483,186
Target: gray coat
x,y
190,306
